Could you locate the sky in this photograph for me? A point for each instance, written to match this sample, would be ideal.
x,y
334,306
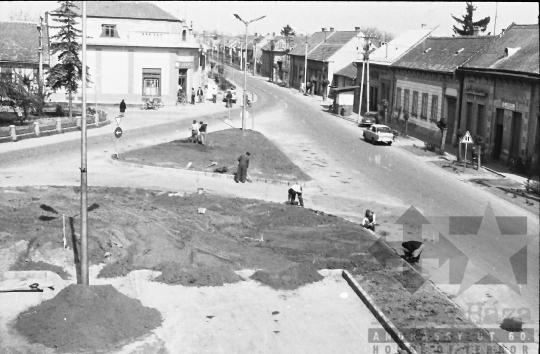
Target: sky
x,y
311,16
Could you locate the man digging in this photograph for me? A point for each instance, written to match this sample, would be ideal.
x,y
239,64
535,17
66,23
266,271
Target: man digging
x,y
295,190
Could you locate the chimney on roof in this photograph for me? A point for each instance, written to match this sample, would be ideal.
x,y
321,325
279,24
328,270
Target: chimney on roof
x,y
273,34
357,29
255,34
323,29
331,29
423,25
476,31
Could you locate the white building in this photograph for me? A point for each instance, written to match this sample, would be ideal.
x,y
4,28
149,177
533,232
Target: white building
x,y
137,51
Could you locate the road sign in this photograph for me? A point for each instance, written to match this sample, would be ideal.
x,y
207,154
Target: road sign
x,y
118,119
118,132
467,139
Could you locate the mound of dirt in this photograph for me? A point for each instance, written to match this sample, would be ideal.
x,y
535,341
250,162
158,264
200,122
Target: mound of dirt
x,y
203,275
289,279
83,317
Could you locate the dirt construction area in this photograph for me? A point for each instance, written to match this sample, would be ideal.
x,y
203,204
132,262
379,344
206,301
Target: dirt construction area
x,y
149,243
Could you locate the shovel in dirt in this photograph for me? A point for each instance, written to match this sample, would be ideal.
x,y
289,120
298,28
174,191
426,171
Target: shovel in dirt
x,y
212,164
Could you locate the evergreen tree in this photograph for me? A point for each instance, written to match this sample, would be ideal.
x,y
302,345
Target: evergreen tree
x,y
289,33
468,24
68,71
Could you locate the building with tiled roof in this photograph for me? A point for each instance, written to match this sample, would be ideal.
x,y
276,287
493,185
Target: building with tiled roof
x,y
274,60
328,52
426,87
136,51
501,85
381,75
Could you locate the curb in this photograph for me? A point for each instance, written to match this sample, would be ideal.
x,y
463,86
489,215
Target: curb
x,y
396,335
210,174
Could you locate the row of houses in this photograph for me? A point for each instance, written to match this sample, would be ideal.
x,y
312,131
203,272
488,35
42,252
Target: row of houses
x,y
486,85
135,51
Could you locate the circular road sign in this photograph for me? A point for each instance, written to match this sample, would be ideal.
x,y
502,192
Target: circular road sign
x,y
118,132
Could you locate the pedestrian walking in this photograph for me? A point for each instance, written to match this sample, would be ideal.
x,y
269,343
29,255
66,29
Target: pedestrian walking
x,y
192,96
296,190
202,132
214,94
370,220
200,94
194,132
122,108
302,87
243,164
413,249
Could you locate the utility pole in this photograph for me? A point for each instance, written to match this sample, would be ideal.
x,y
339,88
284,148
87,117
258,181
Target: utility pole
x,y
40,29
84,182
365,59
305,67
495,24
245,71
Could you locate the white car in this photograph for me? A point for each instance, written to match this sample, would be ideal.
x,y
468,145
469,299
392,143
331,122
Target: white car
x,y
379,133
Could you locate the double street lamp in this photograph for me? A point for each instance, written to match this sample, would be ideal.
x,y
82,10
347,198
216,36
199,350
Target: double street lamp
x,y
245,69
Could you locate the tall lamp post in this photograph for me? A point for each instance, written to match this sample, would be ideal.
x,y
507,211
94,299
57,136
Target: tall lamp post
x,y
245,70
84,182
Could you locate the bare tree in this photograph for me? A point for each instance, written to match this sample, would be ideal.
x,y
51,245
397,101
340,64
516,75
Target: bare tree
x,y
379,36
20,15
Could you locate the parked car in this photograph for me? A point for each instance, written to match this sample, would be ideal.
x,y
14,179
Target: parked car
x,y
368,119
233,95
379,133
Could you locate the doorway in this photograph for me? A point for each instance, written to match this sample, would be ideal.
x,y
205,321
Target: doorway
x,y
182,79
516,133
468,123
499,128
451,114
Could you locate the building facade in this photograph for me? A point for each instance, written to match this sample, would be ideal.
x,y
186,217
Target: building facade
x,y
501,95
137,52
426,87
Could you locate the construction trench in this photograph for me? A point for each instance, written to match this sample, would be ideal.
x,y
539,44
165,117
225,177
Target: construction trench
x,y
244,276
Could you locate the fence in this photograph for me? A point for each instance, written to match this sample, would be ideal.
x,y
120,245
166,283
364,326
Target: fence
x,y
59,126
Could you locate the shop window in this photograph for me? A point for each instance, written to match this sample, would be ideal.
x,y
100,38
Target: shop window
x,y
406,100
434,107
423,113
414,108
151,84
398,98
109,31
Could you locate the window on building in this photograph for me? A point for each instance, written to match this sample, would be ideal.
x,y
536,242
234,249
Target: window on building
x,y
423,113
414,108
184,35
406,100
434,107
151,85
480,120
109,31
398,97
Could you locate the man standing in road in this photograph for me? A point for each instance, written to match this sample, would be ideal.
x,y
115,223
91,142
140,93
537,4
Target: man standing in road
x,y
229,99
202,132
122,108
192,96
214,93
243,164
200,94
295,190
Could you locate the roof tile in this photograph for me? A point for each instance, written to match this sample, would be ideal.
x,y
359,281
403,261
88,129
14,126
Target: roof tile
x,y
20,42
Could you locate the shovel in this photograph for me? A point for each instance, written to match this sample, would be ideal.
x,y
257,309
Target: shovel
x,y
212,164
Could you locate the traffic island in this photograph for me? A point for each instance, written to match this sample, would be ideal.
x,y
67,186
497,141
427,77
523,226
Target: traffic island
x,y
221,153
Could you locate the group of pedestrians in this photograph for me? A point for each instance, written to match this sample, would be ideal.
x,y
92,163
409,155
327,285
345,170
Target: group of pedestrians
x,y
198,132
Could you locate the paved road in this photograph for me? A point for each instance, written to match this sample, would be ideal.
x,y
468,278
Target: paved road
x,y
349,176
353,175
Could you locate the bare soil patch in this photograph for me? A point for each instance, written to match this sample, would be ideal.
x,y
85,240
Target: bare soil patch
x,y
223,147
82,317
143,229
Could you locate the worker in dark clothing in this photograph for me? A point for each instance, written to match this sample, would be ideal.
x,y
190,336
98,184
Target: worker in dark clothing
x,y
243,164
122,108
202,132
192,95
413,249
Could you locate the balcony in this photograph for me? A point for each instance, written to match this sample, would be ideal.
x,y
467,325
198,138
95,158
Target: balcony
x,y
145,39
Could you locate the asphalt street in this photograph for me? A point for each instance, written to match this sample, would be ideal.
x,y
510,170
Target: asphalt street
x,y
350,175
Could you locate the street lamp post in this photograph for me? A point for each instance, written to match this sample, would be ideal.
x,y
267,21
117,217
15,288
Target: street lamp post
x,y
84,182
245,71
